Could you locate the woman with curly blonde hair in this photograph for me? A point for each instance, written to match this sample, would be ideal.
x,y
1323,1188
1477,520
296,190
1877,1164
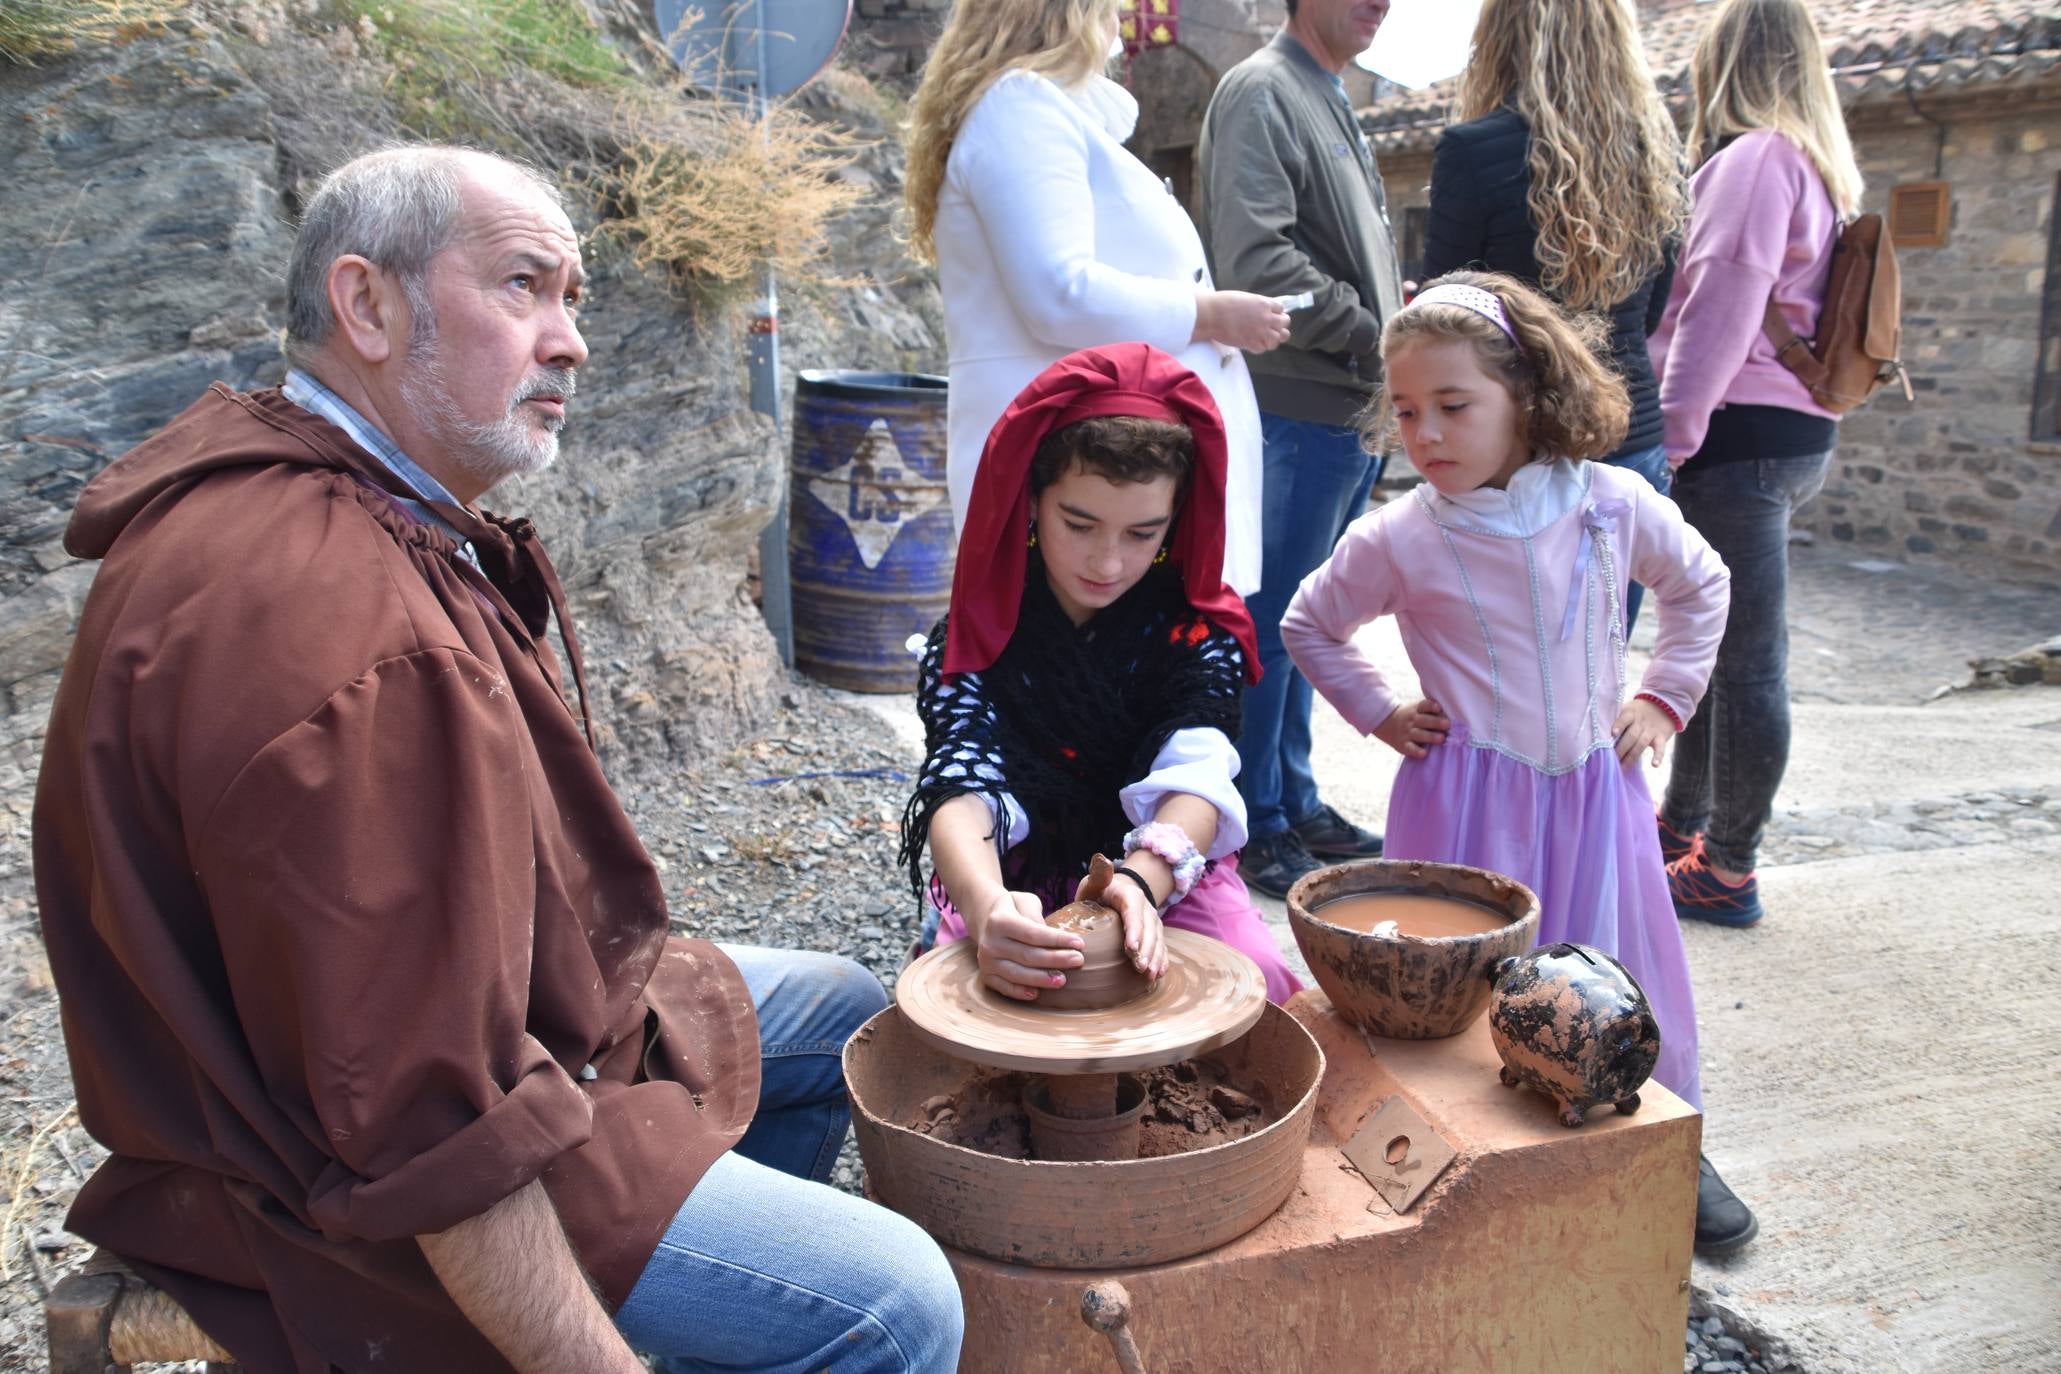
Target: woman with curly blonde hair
x,y
1049,236
1567,175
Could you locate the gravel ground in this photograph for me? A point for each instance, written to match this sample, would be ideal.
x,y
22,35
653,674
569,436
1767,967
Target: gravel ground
x,y
1720,1341
790,842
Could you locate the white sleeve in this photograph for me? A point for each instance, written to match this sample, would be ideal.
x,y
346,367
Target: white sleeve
x,y
1022,160
1009,818
1202,762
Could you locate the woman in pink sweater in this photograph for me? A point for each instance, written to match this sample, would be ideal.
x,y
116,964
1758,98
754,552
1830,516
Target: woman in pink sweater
x,y
1747,442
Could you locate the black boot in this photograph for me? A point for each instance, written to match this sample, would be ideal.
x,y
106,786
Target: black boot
x,y
1723,1223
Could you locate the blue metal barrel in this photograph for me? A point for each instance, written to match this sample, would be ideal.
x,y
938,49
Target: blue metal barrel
x,y
870,541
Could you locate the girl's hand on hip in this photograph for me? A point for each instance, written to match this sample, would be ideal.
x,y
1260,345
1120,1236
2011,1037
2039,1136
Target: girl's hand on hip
x,y
1019,954
1414,728
1144,933
1256,324
1642,725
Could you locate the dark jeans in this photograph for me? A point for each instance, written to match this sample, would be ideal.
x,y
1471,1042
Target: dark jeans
x,y
1317,480
1651,464
1730,760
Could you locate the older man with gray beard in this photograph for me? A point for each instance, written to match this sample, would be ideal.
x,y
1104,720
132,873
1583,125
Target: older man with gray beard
x,y
366,977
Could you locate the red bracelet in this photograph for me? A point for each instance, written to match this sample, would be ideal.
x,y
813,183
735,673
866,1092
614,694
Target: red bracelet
x,y
1665,709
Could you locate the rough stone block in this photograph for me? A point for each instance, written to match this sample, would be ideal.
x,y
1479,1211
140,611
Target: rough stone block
x,y
36,624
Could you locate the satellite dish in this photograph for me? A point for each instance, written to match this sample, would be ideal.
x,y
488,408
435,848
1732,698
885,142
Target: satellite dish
x,y
767,47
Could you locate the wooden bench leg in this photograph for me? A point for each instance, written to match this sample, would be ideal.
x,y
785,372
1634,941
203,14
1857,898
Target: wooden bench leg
x,y
76,1319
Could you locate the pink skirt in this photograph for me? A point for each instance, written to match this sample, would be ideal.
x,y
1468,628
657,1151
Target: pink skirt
x,y
1218,907
1585,842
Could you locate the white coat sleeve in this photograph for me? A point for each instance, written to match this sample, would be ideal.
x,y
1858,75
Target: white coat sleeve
x,y
1022,159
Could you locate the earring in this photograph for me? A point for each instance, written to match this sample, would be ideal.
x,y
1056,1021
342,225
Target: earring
x,y
1033,541
1159,557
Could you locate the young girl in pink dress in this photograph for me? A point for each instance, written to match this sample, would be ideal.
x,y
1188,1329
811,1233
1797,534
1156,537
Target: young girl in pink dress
x,y
1506,572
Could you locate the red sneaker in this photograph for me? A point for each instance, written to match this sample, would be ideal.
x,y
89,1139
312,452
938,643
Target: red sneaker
x,y
1674,845
1701,895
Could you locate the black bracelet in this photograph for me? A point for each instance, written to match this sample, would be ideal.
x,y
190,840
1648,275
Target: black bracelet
x,y
1126,871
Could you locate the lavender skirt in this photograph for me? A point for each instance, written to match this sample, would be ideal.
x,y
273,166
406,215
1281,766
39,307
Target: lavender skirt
x,y
1584,841
1218,906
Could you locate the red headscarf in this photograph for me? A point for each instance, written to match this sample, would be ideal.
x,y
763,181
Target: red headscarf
x,y
1116,379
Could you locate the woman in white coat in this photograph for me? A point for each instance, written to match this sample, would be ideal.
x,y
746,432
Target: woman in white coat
x,y
1050,237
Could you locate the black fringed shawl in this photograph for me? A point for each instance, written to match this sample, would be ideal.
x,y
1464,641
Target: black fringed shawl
x,y
1065,719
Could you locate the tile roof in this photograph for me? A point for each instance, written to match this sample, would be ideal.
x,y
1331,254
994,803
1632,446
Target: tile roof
x,y
1878,49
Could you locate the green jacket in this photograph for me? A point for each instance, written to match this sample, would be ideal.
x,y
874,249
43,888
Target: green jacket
x,y
1292,202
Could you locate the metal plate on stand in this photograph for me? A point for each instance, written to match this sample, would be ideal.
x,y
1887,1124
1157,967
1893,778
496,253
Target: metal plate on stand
x,y
1400,1153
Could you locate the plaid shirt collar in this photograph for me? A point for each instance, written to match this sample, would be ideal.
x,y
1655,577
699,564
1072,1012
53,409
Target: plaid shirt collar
x,y
310,395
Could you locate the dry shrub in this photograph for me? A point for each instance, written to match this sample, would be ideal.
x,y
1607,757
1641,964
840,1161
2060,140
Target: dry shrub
x,y
32,29
707,194
687,182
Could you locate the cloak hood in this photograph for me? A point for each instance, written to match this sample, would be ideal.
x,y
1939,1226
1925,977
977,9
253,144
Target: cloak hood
x,y
1116,379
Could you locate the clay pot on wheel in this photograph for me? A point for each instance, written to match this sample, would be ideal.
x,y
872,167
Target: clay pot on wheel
x,y
1571,1022
1106,977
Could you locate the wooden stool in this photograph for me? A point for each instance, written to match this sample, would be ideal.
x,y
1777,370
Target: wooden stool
x,y
107,1317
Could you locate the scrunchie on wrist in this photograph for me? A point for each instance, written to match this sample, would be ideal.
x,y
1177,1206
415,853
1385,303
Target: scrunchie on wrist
x,y
1170,843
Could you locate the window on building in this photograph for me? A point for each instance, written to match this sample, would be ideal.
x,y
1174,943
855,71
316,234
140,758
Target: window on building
x,y
1416,225
2046,390
1918,214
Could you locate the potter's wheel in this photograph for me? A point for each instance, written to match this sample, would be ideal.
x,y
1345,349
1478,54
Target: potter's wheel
x,y
1211,995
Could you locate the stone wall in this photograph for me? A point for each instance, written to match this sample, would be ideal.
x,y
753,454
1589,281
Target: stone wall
x,y
149,200
1963,472
1970,470
889,39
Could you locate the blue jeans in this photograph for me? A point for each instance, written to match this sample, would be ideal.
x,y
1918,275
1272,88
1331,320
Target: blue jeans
x,y
1730,761
1317,478
1651,464
764,1267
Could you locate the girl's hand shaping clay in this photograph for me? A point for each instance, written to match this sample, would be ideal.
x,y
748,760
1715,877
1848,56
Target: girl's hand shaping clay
x,y
1414,728
1642,725
1019,954
1144,934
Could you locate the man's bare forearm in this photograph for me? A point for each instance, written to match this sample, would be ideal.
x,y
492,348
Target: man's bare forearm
x,y
513,1273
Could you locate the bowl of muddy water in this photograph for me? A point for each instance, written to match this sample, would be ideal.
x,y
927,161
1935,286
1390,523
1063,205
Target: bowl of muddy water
x,y
1404,949
1220,1144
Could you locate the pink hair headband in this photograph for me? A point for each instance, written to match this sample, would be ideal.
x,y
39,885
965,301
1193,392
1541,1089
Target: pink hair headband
x,y
1486,304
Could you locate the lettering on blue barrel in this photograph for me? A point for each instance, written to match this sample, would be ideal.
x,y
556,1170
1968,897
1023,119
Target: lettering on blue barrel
x,y
868,493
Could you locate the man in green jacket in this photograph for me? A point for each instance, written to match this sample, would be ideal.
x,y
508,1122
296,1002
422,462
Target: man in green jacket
x,y
1293,204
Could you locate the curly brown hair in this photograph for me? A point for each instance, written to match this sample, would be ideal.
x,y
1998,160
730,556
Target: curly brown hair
x,y
1121,448
1570,401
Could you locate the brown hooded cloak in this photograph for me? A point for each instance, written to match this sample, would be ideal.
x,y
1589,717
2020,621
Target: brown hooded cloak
x,y
352,936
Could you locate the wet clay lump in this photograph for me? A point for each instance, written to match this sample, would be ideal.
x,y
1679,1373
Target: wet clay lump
x,y
1106,977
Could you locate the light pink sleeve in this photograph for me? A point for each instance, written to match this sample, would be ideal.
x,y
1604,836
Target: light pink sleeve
x,y
1738,240
1713,335
1357,584
1681,572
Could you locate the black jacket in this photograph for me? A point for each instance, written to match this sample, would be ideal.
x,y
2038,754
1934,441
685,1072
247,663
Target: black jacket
x,y
1480,186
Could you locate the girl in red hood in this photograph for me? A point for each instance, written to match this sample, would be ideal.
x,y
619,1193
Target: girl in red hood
x,y
1081,695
